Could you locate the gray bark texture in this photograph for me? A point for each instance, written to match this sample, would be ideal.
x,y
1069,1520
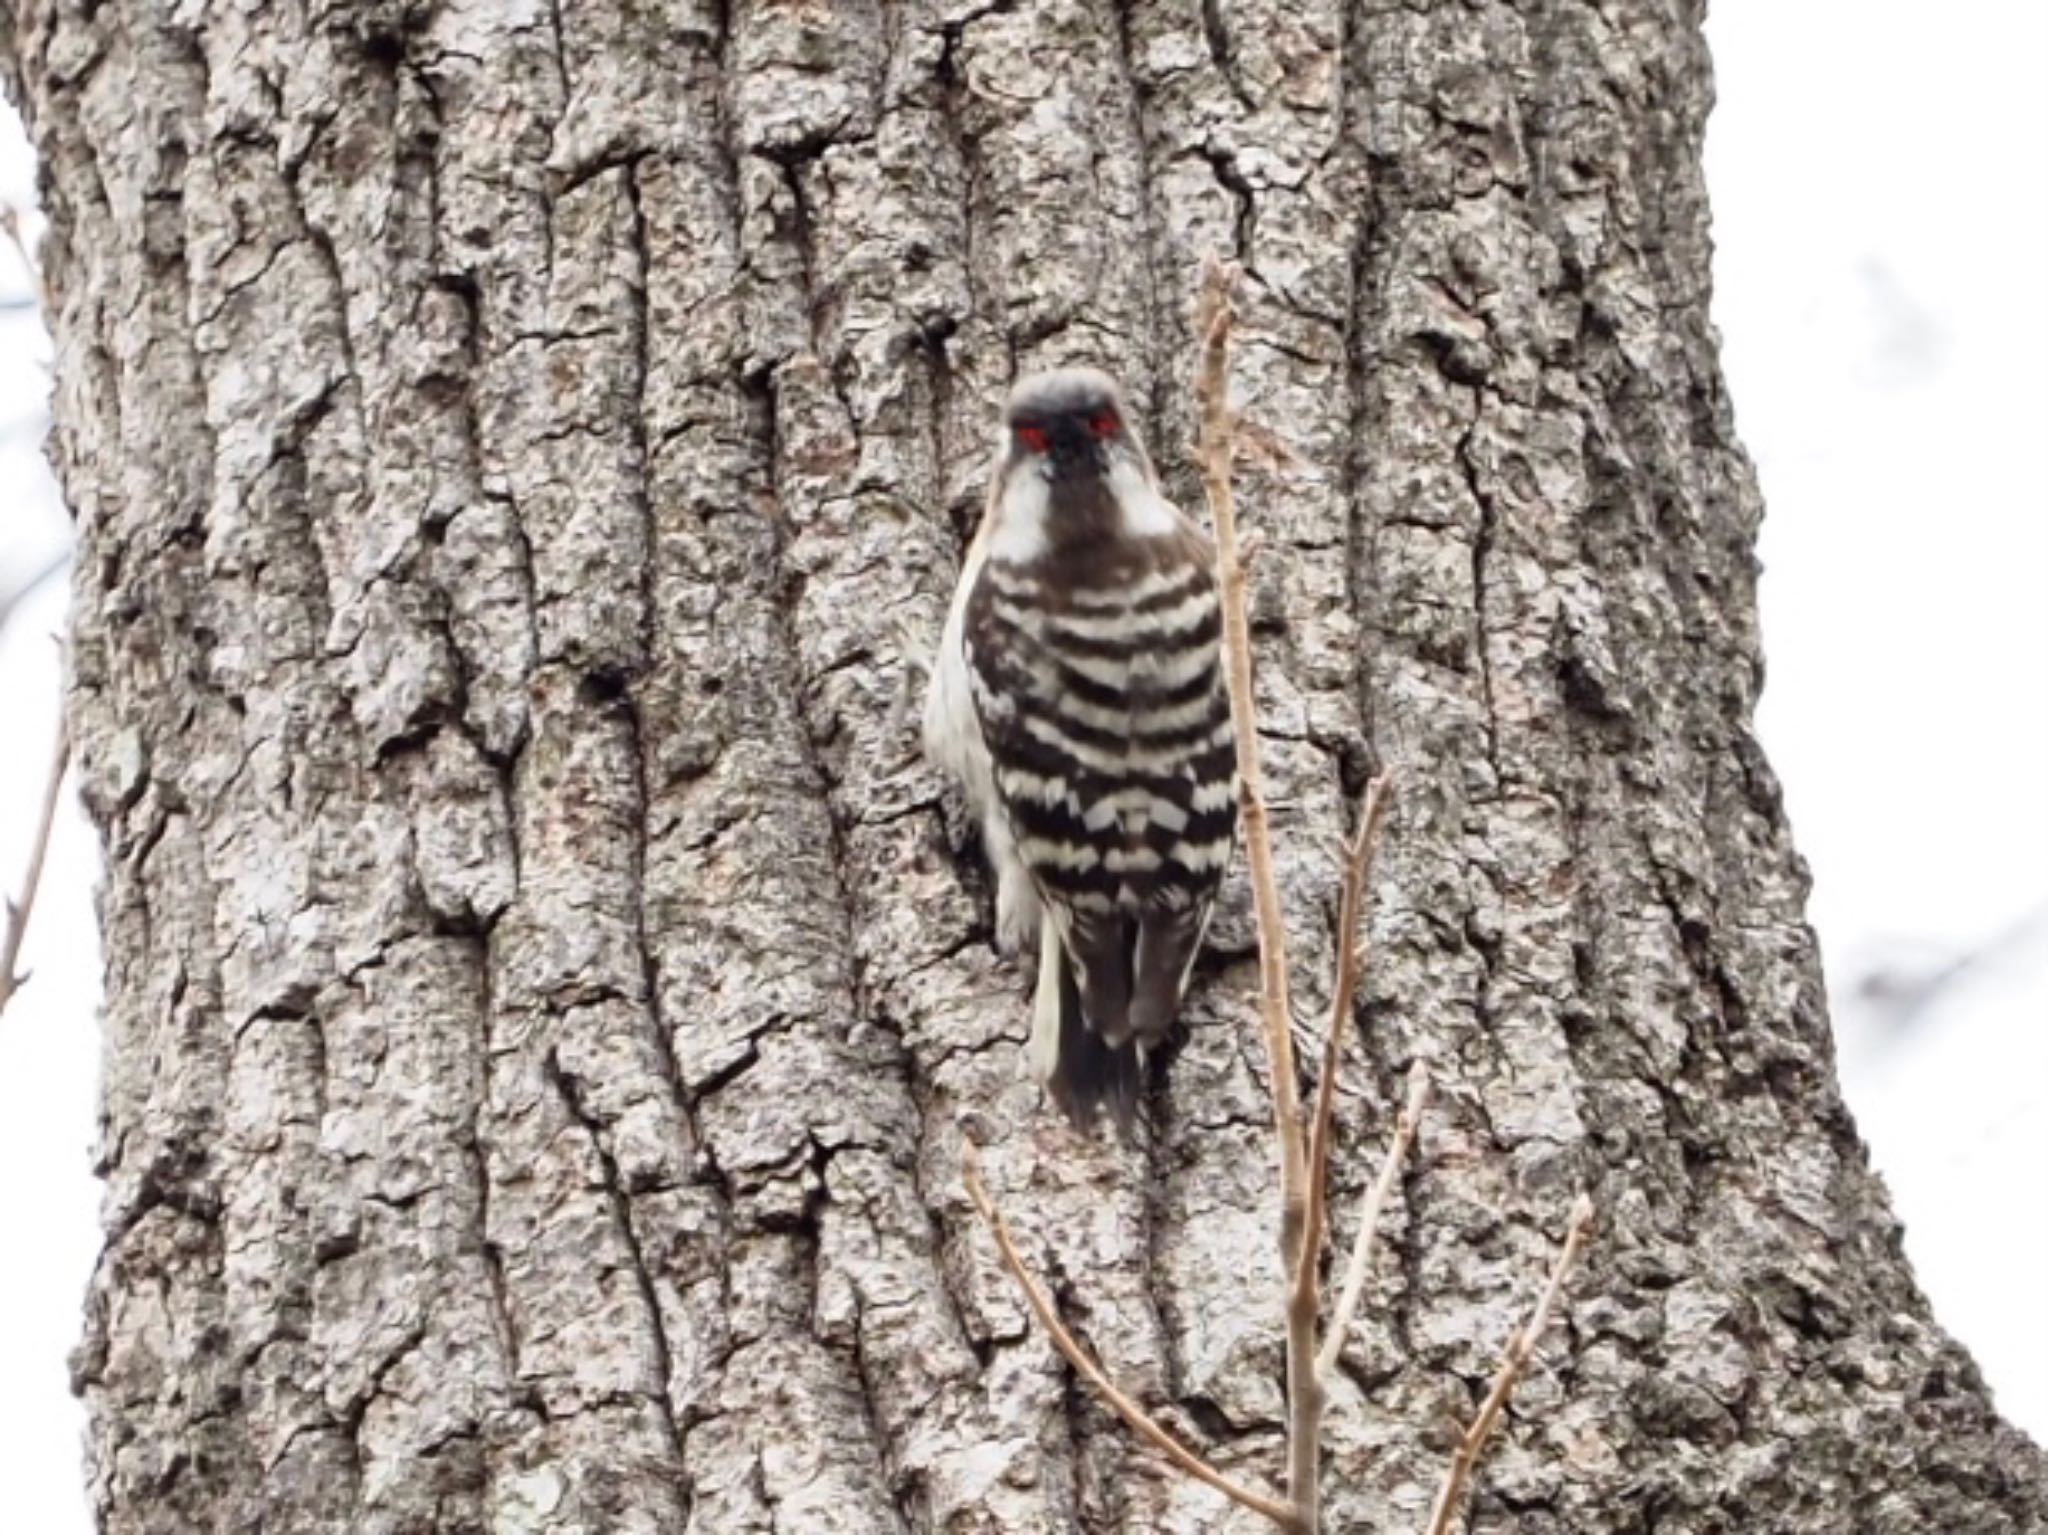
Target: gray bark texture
x,y
518,450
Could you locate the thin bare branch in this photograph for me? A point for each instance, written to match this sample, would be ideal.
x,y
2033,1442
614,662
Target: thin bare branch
x,y
1520,1349
1212,401
1369,1220
1141,1422
1214,449
18,911
11,602
10,226
1264,446
1350,964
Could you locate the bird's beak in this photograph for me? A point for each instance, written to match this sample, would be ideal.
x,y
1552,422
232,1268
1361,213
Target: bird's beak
x,y
1074,450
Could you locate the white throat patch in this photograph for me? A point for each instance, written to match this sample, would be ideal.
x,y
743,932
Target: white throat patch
x,y
1147,514
1021,534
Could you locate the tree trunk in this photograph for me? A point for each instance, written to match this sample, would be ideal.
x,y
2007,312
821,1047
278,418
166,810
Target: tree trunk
x,y
517,451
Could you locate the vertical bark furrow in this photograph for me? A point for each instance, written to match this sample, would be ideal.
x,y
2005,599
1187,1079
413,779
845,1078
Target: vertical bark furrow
x,y
1472,962
824,155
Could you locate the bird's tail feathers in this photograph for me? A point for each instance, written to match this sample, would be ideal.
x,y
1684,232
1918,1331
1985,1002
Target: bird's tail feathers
x,y
1080,1069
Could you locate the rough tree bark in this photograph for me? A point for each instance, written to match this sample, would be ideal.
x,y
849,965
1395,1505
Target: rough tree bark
x,y
513,446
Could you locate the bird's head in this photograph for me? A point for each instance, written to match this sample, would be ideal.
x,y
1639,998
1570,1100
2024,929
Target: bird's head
x,y
1071,424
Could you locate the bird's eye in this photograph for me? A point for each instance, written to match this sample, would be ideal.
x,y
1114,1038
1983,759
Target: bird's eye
x,y
1034,438
1104,423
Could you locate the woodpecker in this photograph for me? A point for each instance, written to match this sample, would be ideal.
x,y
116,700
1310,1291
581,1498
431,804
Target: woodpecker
x,y
1078,697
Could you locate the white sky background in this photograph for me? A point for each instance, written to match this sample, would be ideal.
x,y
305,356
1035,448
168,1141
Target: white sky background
x,y
1879,170
1879,173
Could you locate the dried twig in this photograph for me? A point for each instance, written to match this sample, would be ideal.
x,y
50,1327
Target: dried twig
x,y
1369,1220
18,911
10,226
1303,1302
10,602
1140,1421
1212,406
1520,1348
1214,449
1264,446
1357,869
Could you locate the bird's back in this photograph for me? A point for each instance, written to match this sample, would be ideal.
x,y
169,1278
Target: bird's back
x,y
1097,678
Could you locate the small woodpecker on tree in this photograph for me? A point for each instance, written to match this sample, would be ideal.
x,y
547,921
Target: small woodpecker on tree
x,y
1079,698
